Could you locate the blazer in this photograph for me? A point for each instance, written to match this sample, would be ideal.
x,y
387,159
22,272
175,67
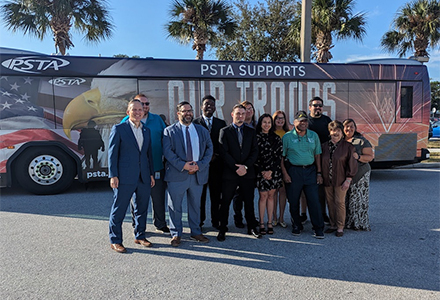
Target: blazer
x,y
125,160
174,152
217,124
232,154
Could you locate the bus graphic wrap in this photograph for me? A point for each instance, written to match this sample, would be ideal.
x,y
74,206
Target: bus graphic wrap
x,y
82,96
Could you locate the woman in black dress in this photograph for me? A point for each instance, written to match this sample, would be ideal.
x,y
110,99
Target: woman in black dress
x,y
268,168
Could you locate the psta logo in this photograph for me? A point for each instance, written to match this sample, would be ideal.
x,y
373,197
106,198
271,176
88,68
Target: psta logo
x,y
67,81
34,64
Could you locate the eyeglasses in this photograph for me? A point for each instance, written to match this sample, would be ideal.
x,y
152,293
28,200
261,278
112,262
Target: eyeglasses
x,y
186,111
317,105
146,103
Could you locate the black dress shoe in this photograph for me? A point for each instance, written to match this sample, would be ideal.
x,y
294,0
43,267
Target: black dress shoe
x,y
255,233
239,224
221,237
164,229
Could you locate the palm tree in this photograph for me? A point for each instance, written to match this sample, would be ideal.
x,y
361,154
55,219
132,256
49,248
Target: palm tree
x,y
416,26
331,18
198,20
38,17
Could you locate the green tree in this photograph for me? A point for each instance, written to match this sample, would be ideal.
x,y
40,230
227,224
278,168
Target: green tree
x,y
331,19
199,21
435,94
416,26
262,33
125,56
38,17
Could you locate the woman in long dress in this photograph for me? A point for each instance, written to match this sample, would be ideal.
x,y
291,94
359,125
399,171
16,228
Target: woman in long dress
x,y
358,195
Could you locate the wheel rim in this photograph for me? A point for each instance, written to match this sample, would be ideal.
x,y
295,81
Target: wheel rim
x,y
45,169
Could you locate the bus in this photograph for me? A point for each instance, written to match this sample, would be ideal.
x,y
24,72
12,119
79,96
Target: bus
x,y
48,102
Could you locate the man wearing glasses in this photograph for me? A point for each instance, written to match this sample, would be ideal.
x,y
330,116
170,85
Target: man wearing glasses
x,y
188,149
156,125
318,122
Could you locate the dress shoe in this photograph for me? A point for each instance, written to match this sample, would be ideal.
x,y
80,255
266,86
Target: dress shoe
x,y
118,248
143,242
199,238
221,237
175,241
239,224
164,229
339,233
255,233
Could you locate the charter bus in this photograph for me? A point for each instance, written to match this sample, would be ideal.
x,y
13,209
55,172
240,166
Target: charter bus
x,y
48,101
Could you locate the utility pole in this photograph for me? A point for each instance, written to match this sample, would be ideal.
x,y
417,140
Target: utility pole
x,y
306,30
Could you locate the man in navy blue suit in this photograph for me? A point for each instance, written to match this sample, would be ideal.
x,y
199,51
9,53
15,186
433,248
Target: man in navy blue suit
x,y
188,149
130,171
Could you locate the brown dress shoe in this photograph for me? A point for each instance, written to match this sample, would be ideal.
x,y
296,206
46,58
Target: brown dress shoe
x,y
175,242
143,242
339,233
199,238
118,248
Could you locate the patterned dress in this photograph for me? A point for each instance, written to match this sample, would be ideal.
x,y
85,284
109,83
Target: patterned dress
x,y
358,195
270,149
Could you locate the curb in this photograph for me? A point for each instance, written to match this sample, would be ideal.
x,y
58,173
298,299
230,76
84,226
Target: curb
x,y
434,165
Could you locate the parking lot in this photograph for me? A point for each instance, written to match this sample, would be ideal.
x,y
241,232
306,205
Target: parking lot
x,y
56,247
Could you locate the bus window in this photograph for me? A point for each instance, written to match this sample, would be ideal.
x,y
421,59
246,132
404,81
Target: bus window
x,y
406,102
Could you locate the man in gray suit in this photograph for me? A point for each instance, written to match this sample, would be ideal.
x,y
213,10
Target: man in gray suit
x,y
188,149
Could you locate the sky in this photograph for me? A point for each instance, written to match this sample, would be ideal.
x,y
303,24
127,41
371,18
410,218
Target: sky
x,y
140,30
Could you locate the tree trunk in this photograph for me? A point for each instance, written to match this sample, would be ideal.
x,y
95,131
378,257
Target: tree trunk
x,y
323,46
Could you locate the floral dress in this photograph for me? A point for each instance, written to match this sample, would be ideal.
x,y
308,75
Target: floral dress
x,y
270,149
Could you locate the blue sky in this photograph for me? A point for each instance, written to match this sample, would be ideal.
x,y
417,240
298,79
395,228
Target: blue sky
x,y
140,31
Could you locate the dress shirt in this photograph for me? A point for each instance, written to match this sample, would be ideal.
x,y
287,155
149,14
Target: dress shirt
x,y
137,131
194,140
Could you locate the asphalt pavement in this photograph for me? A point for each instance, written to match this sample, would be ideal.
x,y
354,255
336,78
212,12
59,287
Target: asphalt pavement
x,y
57,247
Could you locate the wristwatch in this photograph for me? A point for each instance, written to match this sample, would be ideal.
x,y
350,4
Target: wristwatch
x,y
245,167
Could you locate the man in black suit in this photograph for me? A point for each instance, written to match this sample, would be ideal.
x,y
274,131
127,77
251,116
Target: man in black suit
x,y
239,151
214,125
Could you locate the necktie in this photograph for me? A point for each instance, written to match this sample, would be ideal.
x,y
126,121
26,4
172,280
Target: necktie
x,y
189,151
240,136
209,124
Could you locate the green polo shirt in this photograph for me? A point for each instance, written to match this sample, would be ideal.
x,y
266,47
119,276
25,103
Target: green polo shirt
x,y
301,150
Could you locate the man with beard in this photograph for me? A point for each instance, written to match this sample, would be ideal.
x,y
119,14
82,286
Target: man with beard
x,y
188,149
301,169
318,122
214,125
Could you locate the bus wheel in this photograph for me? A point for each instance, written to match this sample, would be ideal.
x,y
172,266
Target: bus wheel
x,y
45,171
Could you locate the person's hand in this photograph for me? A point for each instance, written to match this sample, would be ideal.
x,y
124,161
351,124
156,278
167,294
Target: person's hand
x,y
319,179
345,185
189,166
267,175
286,178
241,171
114,182
153,182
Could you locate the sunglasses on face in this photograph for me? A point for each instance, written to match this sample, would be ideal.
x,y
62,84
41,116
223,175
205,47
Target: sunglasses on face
x,y
146,103
317,105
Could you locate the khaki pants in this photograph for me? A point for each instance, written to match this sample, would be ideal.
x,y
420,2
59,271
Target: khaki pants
x,y
336,206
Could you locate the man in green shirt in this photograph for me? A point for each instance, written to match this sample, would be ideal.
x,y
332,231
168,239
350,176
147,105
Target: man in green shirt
x,y
301,169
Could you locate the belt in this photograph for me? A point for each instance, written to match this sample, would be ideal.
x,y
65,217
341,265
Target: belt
x,y
304,167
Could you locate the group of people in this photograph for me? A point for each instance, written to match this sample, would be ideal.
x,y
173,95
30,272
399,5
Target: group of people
x,y
314,164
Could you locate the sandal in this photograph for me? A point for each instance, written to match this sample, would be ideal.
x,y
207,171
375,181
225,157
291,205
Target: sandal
x,y
269,228
262,229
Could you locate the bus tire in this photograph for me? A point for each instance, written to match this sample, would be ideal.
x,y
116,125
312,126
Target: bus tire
x,y
45,171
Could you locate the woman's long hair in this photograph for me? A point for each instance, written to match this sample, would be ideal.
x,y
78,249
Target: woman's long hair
x,y
346,121
274,117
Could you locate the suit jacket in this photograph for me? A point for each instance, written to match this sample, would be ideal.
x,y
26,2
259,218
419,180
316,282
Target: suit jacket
x,y
217,124
125,160
174,151
232,154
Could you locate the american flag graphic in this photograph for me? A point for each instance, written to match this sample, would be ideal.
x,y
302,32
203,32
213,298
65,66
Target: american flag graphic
x,y
22,120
